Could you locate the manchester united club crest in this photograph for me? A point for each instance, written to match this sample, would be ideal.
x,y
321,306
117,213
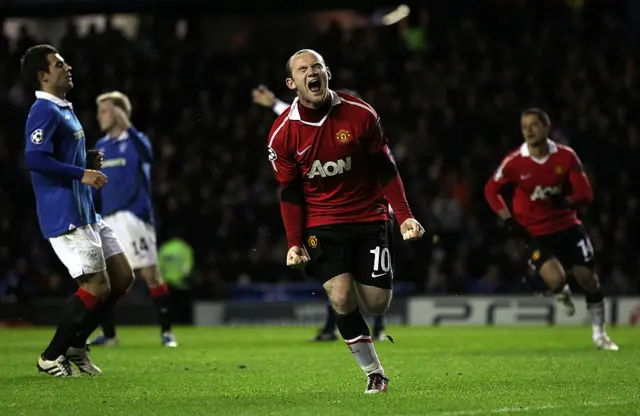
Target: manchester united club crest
x,y
559,169
343,136
312,241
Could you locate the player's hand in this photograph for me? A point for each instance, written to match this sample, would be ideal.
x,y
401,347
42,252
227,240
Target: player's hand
x,y
94,178
121,117
515,229
263,96
411,230
297,257
94,159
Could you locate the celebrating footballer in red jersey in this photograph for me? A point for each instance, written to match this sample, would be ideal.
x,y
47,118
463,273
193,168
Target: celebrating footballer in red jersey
x,y
337,176
549,184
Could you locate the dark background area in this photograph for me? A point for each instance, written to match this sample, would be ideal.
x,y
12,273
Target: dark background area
x,y
449,83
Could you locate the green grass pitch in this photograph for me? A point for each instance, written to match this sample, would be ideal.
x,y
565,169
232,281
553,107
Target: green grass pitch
x,y
275,371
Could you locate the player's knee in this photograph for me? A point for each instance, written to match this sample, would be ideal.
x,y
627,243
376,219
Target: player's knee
x,y
341,294
120,273
96,283
587,278
150,275
126,281
553,274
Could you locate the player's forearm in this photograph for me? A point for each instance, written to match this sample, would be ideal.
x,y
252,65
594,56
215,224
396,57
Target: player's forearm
x,y
142,144
391,184
280,106
395,195
582,191
495,200
46,164
292,210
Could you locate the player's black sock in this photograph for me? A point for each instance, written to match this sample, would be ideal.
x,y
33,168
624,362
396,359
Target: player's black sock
x,y
378,324
160,296
352,326
78,314
103,316
330,323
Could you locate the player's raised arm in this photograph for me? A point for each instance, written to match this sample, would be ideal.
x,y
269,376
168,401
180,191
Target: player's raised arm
x,y
582,192
285,169
264,97
121,106
41,126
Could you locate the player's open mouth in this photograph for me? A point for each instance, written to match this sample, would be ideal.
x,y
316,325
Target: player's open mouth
x,y
315,85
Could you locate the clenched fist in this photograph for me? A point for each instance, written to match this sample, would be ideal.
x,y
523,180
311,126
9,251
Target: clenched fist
x,y
94,178
411,230
297,257
263,96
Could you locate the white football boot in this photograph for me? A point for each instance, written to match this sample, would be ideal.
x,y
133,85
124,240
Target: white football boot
x,y
60,367
80,357
603,342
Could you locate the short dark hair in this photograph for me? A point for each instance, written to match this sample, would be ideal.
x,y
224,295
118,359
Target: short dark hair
x,y
542,115
35,60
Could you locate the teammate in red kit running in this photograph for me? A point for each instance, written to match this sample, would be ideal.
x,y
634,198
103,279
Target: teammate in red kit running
x,y
337,176
549,183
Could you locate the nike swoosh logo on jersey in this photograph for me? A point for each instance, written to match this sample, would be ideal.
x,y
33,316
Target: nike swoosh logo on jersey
x,y
374,275
525,177
300,153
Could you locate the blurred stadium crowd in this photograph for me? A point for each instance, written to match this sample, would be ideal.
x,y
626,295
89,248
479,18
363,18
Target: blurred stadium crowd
x,y
449,101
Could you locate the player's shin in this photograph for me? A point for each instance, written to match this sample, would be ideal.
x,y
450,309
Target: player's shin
x,y
160,296
80,311
355,332
595,307
103,316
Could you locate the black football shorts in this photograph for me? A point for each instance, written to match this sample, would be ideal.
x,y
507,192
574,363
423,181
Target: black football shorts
x,y
572,247
363,250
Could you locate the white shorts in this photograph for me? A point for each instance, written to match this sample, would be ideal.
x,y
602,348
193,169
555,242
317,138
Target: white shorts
x,y
138,238
85,249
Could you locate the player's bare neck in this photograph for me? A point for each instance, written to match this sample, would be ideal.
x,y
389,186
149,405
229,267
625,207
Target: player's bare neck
x,y
538,150
60,94
115,132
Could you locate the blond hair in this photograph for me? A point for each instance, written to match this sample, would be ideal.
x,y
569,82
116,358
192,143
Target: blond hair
x,y
118,99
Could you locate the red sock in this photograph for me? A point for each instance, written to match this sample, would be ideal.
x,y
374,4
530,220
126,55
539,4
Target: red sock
x,y
158,291
89,300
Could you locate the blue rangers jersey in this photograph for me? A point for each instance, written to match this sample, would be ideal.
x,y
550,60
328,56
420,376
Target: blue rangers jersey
x,y
127,164
56,156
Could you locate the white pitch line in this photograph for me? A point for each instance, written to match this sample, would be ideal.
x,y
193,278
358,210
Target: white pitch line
x,y
523,409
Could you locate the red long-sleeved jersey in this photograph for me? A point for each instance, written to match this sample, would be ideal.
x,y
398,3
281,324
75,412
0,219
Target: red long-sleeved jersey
x,y
536,180
334,166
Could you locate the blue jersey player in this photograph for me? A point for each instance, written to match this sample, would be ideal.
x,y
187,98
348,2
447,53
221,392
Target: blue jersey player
x,y
125,204
62,175
265,98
